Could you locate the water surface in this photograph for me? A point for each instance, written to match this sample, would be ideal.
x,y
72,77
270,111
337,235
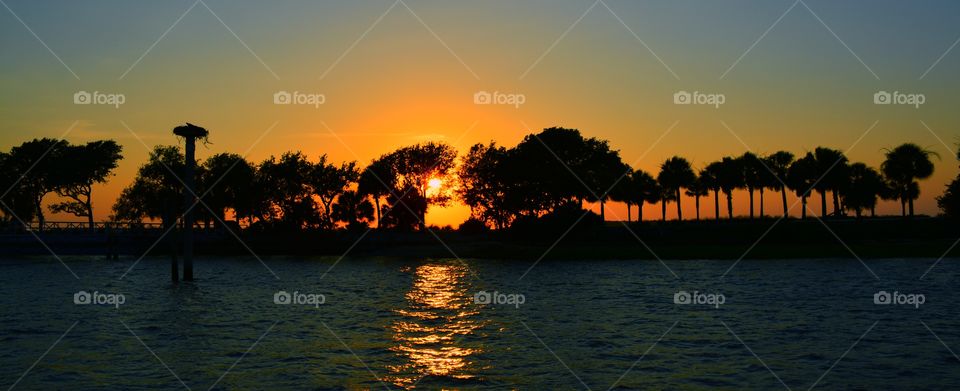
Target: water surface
x,y
413,323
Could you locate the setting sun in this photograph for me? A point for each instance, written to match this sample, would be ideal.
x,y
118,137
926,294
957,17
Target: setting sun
x,y
434,183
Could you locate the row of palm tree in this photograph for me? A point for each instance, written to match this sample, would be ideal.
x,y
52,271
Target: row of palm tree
x,y
827,172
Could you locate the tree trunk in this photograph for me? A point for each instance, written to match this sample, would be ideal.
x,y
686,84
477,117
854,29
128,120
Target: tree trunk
x,y
903,207
40,218
761,202
376,200
603,216
749,190
803,202
911,207
716,204
873,211
823,203
679,212
89,207
640,212
783,195
663,210
628,212
836,204
696,200
730,205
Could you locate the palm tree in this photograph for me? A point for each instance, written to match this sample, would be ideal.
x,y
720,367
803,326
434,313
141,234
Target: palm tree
x,y
802,177
832,170
862,190
730,177
708,178
753,177
903,167
643,189
675,174
779,163
696,190
664,196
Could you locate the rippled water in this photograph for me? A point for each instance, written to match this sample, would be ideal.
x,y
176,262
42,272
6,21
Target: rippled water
x,y
413,323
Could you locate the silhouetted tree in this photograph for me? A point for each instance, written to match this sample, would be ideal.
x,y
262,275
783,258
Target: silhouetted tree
x,y
328,181
377,180
696,190
635,189
353,209
414,167
80,167
285,183
802,176
156,190
16,202
904,165
861,192
38,163
779,164
227,183
729,175
709,179
483,185
832,172
675,174
753,176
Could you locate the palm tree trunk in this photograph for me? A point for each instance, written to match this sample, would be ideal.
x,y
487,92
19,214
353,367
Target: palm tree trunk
x,y
783,195
640,212
903,207
803,202
823,203
680,213
836,204
696,200
730,205
911,207
628,212
761,202
663,210
716,204
376,200
603,216
751,202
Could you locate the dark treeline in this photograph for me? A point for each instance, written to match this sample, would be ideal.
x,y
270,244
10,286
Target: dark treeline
x,y
31,171
543,180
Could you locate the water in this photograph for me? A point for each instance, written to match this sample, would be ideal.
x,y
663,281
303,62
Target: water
x,y
403,323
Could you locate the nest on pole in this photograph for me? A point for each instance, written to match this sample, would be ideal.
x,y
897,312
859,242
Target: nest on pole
x,y
191,130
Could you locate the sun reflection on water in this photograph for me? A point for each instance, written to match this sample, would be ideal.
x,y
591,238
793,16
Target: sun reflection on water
x,y
429,335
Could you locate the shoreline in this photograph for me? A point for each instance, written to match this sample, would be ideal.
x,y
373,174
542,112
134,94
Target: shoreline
x,y
747,239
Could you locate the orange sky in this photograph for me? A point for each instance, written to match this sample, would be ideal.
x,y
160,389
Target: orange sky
x,y
393,77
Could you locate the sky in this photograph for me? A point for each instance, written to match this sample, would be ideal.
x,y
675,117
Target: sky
x,y
792,76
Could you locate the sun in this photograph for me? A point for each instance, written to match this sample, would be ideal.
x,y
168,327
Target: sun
x,y
434,183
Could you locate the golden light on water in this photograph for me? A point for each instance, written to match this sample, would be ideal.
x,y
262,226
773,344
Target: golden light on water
x,y
429,336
